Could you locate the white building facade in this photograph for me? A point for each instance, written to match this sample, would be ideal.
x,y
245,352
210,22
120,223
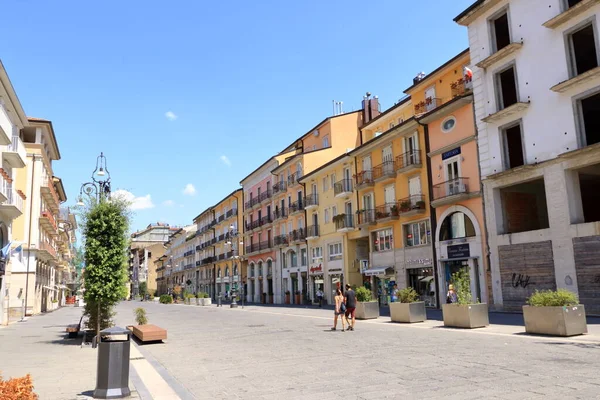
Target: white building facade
x,y
536,81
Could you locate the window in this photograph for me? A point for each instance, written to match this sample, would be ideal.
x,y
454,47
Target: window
x,y
400,120
293,259
333,211
303,258
513,146
506,83
335,251
448,124
325,141
572,3
589,116
455,226
332,180
582,49
500,32
325,184
317,254
327,215
417,234
383,240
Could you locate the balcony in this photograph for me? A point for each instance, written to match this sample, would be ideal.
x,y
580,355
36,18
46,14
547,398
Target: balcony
x,y
188,253
14,153
47,251
188,266
364,179
47,220
199,247
408,161
280,213
229,255
312,232
264,245
296,207
208,260
570,13
344,223
231,213
585,77
198,263
461,87
265,196
343,188
412,205
385,170
311,201
252,248
13,206
511,111
366,217
252,203
429,104
297,235
450,191
280,241
294,179
279,188
221,257
387,212
49,193
252,225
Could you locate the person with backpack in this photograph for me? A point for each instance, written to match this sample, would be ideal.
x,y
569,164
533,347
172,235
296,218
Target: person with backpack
x,y
350,303
340,310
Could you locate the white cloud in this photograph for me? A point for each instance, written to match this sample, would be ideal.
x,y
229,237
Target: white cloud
x,y
225,160
168,203
137,203
171,116
189,189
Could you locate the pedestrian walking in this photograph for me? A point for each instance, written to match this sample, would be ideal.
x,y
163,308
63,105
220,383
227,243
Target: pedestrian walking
x,y
340,309
350,301
451,297
395,293
320,297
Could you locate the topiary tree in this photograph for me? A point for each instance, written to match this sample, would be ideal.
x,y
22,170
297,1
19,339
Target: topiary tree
x,y
143,289
105,228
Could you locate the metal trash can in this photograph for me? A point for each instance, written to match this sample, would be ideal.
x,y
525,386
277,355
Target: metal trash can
x,y
112,379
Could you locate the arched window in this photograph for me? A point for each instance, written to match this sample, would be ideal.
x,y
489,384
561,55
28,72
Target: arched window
x,y
226,271
269,267
260,268
219,273
456,225
235,270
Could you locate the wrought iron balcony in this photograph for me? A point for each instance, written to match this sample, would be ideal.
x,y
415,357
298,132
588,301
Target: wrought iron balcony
x,y
280,187
414,204
429,104
221,257
311,201
386,212
312,231
297,235
265,196
461,87
294,179
188,253
344,222
231,213
383,171
252,248
366,217
343,188
208,260
296,206
452,187
281,240
264,245
199,247
280,213
221,218
364,179
408,161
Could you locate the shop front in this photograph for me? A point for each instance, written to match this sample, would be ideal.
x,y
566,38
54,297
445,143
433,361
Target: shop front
x,y
380,280
316,281
335,281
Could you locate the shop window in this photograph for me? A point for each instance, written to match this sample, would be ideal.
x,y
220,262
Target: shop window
x,y
335,251
582,49
506,85
500,32
589,117
513,146
455,226
417,234
383,240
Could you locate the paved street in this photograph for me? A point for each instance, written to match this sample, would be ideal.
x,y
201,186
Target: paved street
x,y
283,352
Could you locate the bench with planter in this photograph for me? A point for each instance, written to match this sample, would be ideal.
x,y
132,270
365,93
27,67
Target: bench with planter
x,y
554,313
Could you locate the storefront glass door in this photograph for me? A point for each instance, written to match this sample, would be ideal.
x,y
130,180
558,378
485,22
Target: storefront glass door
x,y
423,282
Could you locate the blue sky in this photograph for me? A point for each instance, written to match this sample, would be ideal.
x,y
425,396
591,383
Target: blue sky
x,y
197,94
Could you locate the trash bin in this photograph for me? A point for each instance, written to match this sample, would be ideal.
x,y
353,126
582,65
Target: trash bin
x,y
112,379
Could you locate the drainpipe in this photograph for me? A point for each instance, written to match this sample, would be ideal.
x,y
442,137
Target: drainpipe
x,y
305,241
33,159
432,216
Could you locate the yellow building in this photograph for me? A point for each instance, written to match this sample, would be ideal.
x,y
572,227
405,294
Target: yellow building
x,y
394,215
160,265
205,251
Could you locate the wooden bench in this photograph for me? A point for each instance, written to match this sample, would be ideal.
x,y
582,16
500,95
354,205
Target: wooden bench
x,y
149,333
73,329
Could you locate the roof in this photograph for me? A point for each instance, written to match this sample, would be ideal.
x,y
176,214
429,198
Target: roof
x,y
384,134
226,197
438,69
305,177
262,165
468,10
203,212
402,101
10,90
52,134
60,188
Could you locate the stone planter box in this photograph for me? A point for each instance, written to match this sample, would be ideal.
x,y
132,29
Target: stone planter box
x,y
408,312
367,310
555,321
198,302
205,302
466,316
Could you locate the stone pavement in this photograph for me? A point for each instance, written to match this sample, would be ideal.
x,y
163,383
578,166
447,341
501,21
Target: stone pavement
x,y
283,352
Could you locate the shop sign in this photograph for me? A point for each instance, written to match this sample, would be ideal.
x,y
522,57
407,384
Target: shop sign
x,y
335,271
451,153
459,251
316,269
364,265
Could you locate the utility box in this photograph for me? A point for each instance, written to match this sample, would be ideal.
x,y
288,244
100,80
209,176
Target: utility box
x,y
112,379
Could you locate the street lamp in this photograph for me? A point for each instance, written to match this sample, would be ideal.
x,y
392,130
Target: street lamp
x,y
99,188
235,243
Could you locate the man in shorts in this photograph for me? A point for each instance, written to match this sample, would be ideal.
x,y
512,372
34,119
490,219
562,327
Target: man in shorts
x,y
350,299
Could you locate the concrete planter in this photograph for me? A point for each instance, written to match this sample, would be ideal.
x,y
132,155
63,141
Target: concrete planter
x,y
206,302
198,302
466,316
367,310
408,312
555,321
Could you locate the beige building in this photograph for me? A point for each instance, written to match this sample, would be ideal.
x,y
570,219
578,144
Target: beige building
x,y
182,254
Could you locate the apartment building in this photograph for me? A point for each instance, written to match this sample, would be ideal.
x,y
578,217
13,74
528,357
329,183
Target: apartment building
x,y
182,254
160,265
536,82
205,251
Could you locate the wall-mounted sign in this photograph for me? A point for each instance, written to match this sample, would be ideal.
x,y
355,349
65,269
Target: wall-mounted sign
x,y
334,271
316,269
459,251
451,153
364,265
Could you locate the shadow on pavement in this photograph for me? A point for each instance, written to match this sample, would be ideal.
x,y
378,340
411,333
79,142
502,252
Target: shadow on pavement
x,y
64,340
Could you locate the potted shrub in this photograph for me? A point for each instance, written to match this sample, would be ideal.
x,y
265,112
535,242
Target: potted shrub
x,y
366,307
298,297
405,206
206,300
140,316
408,308
188,298
466,313
554,312
287,297
394,210
165,299
420,205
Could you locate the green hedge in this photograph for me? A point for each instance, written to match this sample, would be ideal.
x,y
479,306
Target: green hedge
x,y
166,299
553,298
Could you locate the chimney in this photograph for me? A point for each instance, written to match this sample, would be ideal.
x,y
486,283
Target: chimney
x,y
370,107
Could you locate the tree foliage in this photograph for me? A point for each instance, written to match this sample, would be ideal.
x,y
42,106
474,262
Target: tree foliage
x,y
105,228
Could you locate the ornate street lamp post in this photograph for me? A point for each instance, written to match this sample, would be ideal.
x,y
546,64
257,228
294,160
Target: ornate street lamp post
x,y
99,187
235,242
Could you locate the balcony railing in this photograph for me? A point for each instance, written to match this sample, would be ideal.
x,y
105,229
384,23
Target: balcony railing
x,y
265,220
231,213
312,231
229,254
221,257
281,240
199,247
296,206
198,263
264,245
294,178
343,186
13,198
48,188
386,169
47,247
252,248
366,216
412,203
208,260
280,213
452,187
344,221
461,87
188,253
265,196
364,178
427,105
280,187
408,159
387,210
48,215
312,200
297,235
15,152
252,202
253,224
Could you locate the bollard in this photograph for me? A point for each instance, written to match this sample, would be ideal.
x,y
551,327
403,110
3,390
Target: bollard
x,y
112,379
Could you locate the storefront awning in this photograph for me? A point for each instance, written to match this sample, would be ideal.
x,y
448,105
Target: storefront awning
x,y
379,271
